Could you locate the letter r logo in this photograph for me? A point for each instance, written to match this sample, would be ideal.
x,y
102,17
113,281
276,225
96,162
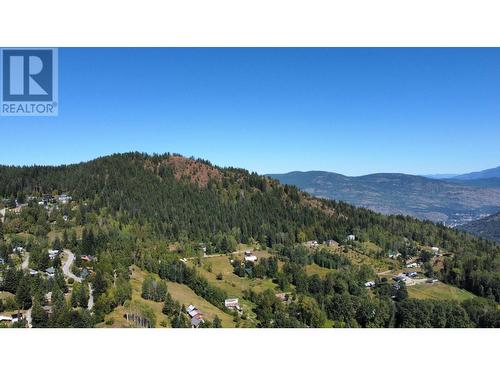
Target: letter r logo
x,y
27,75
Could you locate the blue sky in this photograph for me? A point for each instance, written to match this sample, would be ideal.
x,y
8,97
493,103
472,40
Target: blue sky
x,y
352,111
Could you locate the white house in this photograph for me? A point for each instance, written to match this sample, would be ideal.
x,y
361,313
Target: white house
x,y
370,284
351,237
4,318
65,199
53,254
249,257
232,304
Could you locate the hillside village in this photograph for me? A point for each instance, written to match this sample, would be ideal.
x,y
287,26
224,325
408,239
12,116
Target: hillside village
x,y
67,260
66,270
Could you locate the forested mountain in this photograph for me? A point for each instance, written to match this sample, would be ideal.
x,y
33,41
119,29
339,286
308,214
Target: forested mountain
x,y
392,193
488,227
133,206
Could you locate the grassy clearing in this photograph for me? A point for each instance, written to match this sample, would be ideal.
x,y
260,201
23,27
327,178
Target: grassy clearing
x,y
179,292
439,292
187,297
6,295
232,284
314,269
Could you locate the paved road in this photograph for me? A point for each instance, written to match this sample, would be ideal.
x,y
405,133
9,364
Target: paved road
x,y
28,318
91,298
67,272
26,261
67,266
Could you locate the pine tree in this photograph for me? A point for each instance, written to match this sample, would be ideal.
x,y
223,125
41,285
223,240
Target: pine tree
x,y
23,293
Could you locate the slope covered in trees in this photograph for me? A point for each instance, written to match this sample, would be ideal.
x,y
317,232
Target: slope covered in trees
x,y
175,199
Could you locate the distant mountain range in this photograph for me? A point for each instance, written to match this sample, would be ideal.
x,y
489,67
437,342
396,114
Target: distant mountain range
x,y
489,227
454,201
488,173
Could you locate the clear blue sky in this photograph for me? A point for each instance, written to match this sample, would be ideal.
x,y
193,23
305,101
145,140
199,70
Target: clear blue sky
x,y
352,111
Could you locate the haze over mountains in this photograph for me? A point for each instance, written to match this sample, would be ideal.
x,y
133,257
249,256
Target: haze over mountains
x,y
455,201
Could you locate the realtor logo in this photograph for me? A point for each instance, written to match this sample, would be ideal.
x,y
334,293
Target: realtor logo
x,y
28,82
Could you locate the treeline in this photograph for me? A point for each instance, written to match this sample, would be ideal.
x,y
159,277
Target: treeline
x,y
172,269
159,201
341,298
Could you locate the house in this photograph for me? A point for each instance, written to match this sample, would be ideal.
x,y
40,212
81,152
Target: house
x,y
396,286
53,254
399,278
87,258
196,321
4,318
33,272
249,257
65,218
351,237
394,254
18,249
312,243
232,304
64,199
2,261
412,265
412,274
16,317
85,273
50,272
194,313
370,284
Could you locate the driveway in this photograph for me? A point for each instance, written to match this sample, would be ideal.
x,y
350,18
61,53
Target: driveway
x,y
26,261
67,266
67,272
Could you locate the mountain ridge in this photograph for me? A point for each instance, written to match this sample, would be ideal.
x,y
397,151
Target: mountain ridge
x,y
399,193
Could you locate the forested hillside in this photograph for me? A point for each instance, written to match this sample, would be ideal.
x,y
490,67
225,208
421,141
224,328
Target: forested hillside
x,y
134,206
488,227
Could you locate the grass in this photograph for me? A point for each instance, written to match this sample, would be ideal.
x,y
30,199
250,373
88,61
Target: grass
x,y
314,269
6,295
179,292
232,284
439,292
187,297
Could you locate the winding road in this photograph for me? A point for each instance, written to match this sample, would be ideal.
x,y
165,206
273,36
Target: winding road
x,y
67,272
